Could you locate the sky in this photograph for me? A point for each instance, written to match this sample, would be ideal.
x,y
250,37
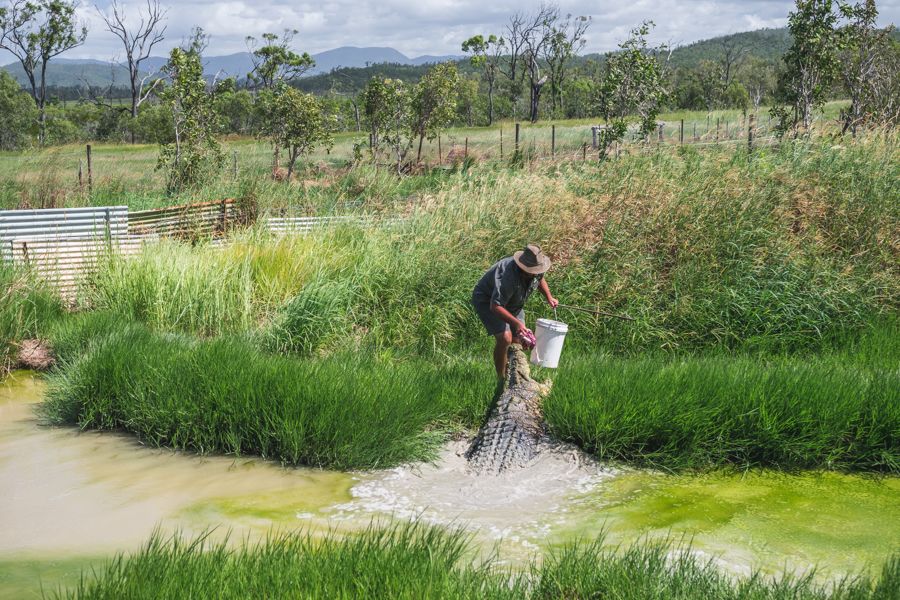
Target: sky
x,y
417,27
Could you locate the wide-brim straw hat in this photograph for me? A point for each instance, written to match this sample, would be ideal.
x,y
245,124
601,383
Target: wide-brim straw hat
x,y
532,260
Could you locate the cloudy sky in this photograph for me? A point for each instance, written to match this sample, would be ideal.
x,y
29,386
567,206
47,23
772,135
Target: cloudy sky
x,y
418,27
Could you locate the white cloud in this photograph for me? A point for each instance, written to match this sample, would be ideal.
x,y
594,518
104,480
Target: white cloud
x,y
437,26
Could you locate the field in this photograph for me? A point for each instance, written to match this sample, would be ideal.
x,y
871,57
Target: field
x,y
764,286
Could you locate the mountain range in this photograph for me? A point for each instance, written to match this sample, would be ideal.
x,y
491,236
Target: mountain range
x,y
67,72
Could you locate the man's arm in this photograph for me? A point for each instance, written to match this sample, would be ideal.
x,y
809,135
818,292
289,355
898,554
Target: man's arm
x,y
545,290
514,324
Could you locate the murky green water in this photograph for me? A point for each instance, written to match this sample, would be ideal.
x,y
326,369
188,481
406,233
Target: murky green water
x,y
69,498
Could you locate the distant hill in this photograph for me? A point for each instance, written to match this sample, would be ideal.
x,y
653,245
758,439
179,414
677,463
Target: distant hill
x,y
767,44
64,72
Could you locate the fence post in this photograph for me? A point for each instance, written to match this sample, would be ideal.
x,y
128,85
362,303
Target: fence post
x,y
717,130
584,151
593,137
90,170
501,143
681,133
750,124
467,148
224,216
553,140
517,138
695,131
80,173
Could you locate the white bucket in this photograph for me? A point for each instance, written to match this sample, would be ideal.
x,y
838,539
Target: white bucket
x,y
550,336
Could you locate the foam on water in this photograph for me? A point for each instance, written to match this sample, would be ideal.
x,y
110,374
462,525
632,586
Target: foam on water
x,y
520,506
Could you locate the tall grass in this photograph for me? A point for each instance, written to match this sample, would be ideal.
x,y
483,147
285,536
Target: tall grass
x,y
786,251
829,412
416,561
225,396
27,310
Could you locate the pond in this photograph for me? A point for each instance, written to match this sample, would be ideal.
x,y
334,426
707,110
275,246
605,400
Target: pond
x,y
71,499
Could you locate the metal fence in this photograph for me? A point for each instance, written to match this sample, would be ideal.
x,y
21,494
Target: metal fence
x,y
104,222
204,219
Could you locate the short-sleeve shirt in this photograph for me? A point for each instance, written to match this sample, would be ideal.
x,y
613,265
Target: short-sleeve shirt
x,y
504,284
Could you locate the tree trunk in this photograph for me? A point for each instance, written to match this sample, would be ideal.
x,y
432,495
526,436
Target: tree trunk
x,y
490,103
419,154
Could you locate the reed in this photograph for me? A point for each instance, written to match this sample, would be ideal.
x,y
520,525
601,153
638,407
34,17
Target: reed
x,y
839,410
226,396
418,561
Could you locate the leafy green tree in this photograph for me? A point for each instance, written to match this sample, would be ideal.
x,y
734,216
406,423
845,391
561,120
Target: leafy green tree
x,y
467,99
154,123
759,79
708,76
434,103
811,63
566,39
274,61
195,152
17,114
235,108
36,31
388,110
633,83
486,55
295,121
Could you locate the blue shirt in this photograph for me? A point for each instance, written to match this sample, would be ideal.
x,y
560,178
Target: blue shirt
x,y
504,284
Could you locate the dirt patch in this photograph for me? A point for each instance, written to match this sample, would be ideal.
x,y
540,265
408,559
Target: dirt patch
x,y
35,355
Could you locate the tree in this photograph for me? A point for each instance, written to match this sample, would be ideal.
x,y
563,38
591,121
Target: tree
x,y
708,76
759,79
535,42
732,55
295,121
274,61
235,107
195,152
17,114
388,111
811,63
466,97
521,28
486,55
138,44
36,31
434,103
867,70
633,82
566,40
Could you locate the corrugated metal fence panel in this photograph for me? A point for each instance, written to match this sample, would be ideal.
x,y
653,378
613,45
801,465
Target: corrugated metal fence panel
x,y
53,223
64,262
190,220
289,225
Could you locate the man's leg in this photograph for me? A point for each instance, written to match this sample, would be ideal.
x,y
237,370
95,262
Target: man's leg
x,y
503,340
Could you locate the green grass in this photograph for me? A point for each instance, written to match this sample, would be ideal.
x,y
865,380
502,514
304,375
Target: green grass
x,y
826,412
417,561
225,396
27,310
837,411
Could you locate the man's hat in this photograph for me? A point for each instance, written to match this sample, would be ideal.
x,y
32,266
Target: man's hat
x,y
532,260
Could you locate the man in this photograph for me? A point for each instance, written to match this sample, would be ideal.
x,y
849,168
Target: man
x,y
499,298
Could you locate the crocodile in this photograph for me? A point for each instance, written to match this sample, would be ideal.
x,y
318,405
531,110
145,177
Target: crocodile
x,y
513,434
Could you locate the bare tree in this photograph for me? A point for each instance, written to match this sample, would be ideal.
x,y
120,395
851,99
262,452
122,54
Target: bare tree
x,y
538,37
520,33
36,31
138,44
734,51
566,40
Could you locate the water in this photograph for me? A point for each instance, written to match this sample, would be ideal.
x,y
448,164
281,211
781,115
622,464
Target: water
x,y
69,499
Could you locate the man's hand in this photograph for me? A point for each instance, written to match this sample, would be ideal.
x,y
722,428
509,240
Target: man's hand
x,y
553,302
